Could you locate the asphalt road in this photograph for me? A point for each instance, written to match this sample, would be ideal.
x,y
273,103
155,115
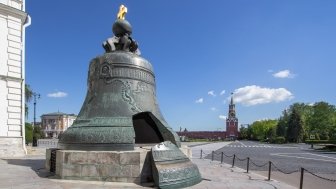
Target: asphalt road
x,y
286,158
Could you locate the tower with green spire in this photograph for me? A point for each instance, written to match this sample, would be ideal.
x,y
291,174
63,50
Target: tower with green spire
x,y
232,122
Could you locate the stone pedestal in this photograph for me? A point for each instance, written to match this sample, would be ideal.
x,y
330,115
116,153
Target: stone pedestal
x,y
114,166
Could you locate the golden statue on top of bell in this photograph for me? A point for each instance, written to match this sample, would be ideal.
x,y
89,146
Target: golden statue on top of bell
x,y
122,12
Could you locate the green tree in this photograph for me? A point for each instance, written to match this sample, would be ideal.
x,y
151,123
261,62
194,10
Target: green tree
x,y
271,132
281,128
263,129
38,133
318,119
295,131
249,132
28,133
305,111
333,128
333,133
28,98
258,131
322,121
243,133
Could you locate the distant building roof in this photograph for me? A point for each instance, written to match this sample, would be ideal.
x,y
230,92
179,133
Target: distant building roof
x,y
203,134
58,114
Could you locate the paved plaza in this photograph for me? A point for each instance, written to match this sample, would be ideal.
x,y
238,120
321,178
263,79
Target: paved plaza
x,y
29,172
287,160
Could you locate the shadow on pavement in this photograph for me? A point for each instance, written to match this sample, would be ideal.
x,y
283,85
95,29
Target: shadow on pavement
x,y
37,165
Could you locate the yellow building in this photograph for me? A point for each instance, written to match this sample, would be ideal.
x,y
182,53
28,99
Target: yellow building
x,y
54,124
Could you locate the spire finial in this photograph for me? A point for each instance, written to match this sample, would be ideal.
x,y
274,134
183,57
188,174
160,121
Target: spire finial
x,y
122,12
231,98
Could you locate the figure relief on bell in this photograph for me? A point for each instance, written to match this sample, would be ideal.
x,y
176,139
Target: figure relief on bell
x,y
105,71
141,87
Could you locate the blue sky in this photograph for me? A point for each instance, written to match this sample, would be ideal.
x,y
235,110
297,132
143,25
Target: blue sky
x,y
269,53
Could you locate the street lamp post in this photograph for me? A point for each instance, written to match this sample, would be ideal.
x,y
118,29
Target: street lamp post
x,y
36,96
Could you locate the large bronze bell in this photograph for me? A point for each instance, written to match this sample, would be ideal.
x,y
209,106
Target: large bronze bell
x,y
120,108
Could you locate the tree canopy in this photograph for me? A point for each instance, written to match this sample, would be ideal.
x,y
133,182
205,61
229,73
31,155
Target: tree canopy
x,y
300,121
263,129
296,124
28,97
295,128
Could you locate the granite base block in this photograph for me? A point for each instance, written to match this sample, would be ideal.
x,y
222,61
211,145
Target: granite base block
x,y
113,166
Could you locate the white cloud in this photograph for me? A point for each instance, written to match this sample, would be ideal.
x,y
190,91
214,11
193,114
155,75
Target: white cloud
x,y
58,94
212,93
270,71
213,109
223,117
283,74
199,101
253,95
222,92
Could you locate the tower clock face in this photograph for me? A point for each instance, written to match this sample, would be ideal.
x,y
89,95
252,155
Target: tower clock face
x,y
232,114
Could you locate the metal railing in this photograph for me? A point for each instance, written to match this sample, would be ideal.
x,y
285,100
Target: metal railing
x,y
51,143
269,163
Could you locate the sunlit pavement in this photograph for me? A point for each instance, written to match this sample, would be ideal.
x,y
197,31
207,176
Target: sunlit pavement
x,y
288,158
29,172
222,176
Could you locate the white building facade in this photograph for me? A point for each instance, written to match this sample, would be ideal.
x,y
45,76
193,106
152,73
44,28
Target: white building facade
x,y
13,21
54,124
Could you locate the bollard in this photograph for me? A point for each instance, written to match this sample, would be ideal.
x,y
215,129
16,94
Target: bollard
x,y
269,170
233,160
248,164
201,154
222,156
212,156
301,178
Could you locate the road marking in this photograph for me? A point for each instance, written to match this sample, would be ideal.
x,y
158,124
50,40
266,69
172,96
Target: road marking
x,y
242,144
323,156
293,155
259,146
